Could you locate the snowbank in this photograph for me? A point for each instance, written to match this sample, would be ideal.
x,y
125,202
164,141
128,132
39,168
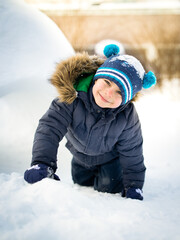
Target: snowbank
x,y
53,210
30,46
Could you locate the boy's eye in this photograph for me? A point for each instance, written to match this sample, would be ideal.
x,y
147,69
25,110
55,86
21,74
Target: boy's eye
x,y
119,92
106,81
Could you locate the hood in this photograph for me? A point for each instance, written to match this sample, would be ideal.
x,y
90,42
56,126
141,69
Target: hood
x,y
69,71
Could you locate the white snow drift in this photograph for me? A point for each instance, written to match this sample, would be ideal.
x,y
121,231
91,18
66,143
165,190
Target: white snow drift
x,y
30,47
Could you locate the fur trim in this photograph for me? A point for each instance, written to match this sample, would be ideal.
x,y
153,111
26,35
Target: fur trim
x,y
68,71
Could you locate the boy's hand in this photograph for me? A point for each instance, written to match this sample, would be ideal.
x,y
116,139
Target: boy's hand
x,y
38,172
133,193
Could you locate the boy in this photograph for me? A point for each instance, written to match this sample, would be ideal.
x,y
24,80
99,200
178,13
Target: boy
x,y
95,113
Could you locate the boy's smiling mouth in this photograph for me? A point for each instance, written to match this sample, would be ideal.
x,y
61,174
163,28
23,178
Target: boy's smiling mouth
x,y
103,99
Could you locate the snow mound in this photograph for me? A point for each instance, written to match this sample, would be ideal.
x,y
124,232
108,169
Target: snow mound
x,y
30,46
59,210
30,43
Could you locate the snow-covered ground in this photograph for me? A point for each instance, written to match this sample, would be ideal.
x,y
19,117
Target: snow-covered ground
x,y
62,210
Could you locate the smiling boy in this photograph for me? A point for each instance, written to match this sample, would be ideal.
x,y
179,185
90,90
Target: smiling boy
x,y
94,111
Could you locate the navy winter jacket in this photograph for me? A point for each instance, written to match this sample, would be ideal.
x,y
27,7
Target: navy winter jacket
x,y
94,135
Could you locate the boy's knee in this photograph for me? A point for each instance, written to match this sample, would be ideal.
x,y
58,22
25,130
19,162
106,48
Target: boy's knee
x,y
108,185
82,180
81,176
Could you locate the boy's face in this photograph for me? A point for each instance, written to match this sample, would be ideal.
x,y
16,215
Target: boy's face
x,y
106,93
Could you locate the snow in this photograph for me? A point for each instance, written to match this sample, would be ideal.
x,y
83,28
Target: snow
x,y
61,210
30,46
132,61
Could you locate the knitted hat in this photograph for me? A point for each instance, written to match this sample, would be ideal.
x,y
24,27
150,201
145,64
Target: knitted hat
x,y
126,71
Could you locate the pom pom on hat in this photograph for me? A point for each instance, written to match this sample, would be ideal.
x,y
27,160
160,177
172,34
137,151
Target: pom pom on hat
x,y
110,50
149,80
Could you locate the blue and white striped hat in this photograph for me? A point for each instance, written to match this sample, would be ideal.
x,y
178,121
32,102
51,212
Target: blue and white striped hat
x,y
126,71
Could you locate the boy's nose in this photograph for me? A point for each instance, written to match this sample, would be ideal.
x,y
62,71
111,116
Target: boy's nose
x,y
109,92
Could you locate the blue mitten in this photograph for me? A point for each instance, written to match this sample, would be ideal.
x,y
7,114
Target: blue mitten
x,y
133,193
38,172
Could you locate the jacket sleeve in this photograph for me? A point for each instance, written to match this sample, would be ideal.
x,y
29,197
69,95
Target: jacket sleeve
x,y
131,152
50,131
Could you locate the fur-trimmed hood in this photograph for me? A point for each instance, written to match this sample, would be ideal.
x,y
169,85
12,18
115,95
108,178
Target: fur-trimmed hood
x,y
68,71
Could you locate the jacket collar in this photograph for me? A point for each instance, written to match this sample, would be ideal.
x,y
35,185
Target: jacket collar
x,y
69,72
